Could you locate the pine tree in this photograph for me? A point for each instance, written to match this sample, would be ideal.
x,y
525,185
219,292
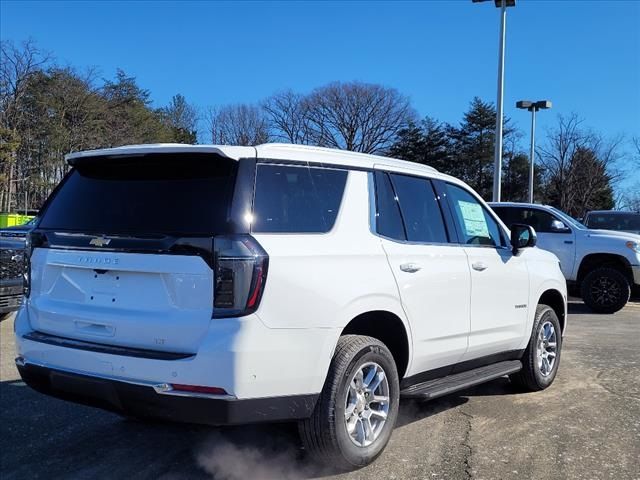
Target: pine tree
x,y
181,118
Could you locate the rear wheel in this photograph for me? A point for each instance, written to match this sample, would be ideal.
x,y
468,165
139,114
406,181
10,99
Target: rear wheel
x,y
605,290
357,409
542,356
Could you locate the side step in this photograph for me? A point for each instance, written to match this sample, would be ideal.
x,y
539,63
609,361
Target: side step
x,y
459,381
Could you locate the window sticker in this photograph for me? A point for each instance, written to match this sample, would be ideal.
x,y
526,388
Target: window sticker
x,y
475,224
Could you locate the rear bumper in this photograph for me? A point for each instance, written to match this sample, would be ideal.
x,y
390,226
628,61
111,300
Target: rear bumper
x,y
143,400
239,355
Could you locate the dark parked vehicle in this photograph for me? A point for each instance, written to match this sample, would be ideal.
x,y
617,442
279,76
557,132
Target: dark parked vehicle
x,y
613,220
19,231
11,275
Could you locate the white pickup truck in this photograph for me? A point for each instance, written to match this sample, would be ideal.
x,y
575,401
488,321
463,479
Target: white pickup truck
x,y
604,264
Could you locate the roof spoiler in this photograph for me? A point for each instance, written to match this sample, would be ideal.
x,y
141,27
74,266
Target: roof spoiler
x,y
133,151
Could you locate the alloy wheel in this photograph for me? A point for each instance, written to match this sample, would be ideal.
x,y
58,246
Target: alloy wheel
x,y
366,404
547,351
605,291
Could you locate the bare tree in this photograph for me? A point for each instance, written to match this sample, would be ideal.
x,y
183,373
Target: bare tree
x,y
237,125
18,64
581,167
356,116
288,116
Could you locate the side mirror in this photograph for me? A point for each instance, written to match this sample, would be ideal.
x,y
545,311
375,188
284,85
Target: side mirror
x,y
522,236
559,227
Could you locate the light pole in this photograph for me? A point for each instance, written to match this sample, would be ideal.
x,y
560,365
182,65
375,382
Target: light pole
x,y
497,159
533,107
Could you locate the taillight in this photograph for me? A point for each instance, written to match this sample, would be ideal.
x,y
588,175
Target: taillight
x,y
240,273
32,240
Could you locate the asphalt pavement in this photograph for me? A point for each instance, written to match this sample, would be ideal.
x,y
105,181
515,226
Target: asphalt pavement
x,y
585,426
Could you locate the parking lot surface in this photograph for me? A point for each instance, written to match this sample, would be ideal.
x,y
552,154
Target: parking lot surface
x,y
586,426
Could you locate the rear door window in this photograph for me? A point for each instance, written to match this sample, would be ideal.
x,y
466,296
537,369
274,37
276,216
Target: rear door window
x,y
420,209
162,193
297,199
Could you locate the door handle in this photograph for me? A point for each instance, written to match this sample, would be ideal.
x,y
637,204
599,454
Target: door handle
x,y
410,267
568,242
479,266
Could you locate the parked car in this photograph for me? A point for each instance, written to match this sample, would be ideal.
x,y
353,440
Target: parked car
x,y
11,275
19,231
233,285
613,220
604,265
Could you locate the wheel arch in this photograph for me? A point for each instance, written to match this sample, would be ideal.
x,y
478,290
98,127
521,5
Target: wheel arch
x,y
596,260
389,329
554,299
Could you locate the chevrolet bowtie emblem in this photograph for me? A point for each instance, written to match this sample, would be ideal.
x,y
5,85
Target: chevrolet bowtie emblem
x,y
100,241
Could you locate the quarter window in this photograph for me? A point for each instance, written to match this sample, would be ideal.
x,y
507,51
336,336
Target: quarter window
x,y
476,225
292,199
388,219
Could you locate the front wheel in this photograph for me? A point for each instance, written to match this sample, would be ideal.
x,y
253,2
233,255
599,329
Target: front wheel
x,y
542,356
357,409
605,290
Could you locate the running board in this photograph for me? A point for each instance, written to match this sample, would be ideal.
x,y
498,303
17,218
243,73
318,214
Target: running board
x,y
459,381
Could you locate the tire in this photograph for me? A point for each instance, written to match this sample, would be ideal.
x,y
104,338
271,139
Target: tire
x,y
535,375
605,290
325,434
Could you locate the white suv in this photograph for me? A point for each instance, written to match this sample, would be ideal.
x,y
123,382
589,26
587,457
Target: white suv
x,y
231,285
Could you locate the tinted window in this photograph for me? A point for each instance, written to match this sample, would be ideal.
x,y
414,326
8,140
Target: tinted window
x,y
538,219
476,225
388,219
420,210
506,214
614,221
185,194
297,199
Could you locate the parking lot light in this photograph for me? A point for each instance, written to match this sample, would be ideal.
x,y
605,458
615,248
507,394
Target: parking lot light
x,y
533,107
497,163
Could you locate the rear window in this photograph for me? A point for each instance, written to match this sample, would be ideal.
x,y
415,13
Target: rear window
x,y
173,194
292,199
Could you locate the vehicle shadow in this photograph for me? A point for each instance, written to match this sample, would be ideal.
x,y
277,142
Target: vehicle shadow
x,y
46,437
578,308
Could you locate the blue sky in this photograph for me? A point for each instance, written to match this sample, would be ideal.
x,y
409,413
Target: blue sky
x,y
582,55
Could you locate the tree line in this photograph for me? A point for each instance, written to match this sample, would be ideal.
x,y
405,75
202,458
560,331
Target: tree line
x,y
47,110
